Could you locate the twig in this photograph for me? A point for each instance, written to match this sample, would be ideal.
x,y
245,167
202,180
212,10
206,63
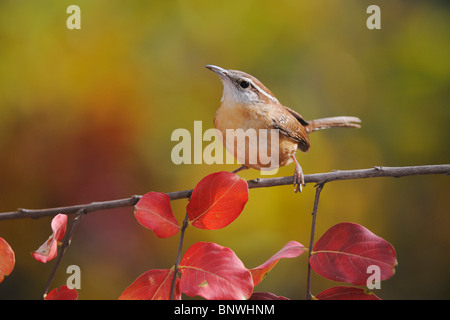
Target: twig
x,y
256,183
319,188
177,263
64,246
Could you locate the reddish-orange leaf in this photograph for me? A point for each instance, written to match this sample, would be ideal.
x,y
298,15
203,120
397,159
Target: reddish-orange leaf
x,y
49,249
152,285
291,250
153,211
59,225
217,200
346,293
7,259
215,273
63,293
345,252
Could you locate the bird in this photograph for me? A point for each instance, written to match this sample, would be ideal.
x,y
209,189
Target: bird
x,y
250,107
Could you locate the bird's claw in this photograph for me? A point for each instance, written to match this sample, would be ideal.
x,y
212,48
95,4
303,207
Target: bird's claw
x,y
299,180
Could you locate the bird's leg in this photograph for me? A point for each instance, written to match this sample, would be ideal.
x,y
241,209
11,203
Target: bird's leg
x,y
299,181
243,167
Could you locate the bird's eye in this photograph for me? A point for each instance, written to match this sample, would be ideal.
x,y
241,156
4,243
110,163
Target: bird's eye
x,y
244,84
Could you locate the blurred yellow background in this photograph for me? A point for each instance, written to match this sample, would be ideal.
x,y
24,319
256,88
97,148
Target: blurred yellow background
x,y
87,115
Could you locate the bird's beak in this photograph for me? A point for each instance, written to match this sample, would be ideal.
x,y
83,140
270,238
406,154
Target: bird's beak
x,y
223,73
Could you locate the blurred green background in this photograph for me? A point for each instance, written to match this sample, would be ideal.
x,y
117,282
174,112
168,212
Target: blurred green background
x,y
87,115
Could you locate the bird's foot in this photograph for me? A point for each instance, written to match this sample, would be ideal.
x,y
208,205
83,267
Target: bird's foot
x,y
299,180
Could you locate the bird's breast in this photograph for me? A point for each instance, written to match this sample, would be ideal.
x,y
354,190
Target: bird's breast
x,y
248,134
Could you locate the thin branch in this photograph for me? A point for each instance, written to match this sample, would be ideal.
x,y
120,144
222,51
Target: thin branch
x,y
319,188
177,262
375,172
64,246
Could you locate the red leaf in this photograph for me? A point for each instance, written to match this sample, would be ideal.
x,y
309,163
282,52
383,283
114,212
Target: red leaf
x,y
346,293
266,296
59,225
217,200
63,293
7,259
345,251
48,250
214,272
291,250
152,285
153,211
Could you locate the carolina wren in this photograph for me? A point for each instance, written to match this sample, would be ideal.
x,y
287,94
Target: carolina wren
x,y
247,104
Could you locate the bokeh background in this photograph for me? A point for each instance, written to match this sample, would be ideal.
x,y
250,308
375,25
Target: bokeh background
x,y
87,115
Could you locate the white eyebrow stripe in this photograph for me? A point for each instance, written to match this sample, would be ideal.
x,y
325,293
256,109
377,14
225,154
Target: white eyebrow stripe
x,y
262,91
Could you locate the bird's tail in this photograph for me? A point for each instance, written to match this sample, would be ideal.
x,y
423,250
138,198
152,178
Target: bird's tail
x,y
325,123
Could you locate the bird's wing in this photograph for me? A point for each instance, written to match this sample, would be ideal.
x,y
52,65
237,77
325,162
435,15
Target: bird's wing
x,y
291,125
297,116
